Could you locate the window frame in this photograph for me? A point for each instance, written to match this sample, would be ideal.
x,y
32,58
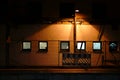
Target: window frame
x,y
64,50
42,50
81,46
26,49
97,50
117,49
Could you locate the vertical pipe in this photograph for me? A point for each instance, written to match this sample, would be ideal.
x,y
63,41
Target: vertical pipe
x,y
7,44
101,33
58,55
105,53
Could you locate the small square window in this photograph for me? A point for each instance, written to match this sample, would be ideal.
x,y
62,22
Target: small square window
x,y
64,46
43,46
81,45
113,46
97,46
26,45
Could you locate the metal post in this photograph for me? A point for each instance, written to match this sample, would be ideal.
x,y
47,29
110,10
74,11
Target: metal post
x,y
74,33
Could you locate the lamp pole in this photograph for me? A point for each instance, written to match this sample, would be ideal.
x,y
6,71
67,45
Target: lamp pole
x,y
74,32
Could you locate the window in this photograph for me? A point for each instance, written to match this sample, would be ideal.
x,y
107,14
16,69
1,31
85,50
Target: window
x,y
64,46
26,45
97,46
43,46
113,46
81,45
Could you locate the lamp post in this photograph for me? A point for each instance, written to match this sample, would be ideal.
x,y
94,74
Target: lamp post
x,y
74,30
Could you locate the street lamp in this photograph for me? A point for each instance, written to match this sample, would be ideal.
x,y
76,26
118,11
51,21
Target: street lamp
x,y
76,10
74,31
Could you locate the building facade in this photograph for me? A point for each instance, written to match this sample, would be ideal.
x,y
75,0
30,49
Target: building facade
x,y
54,33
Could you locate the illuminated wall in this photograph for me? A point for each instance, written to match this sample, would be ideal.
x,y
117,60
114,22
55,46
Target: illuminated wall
x,y
51,33
54,33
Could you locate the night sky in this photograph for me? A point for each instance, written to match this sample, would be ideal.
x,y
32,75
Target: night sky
x,y
26,9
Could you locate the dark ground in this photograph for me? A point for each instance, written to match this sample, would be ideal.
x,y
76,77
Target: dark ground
x,y
58,76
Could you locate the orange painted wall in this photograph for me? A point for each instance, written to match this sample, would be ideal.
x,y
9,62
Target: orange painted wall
x,y
54,33
51,33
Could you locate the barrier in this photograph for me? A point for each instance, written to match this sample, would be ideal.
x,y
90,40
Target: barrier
x,y
74,59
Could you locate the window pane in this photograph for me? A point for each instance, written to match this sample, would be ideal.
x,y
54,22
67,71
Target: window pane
x,y
42,45
81,45
113,46
96,45
64,45
26,45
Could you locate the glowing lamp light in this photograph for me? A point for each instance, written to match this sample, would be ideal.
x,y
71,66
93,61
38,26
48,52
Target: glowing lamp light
x,y
76,10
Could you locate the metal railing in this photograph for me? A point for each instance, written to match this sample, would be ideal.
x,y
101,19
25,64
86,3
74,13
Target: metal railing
x,y
78,60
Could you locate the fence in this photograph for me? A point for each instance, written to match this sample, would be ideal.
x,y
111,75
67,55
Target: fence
x,y
80,60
